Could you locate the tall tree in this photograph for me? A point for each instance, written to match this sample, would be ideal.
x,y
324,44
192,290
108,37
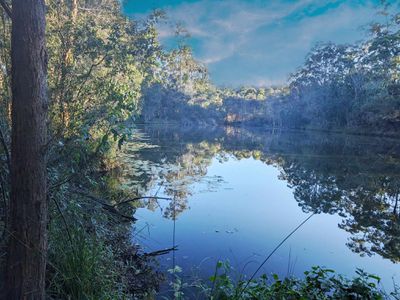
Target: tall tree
x,y
26,262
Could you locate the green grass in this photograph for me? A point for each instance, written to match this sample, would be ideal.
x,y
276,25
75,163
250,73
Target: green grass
x,y
81,270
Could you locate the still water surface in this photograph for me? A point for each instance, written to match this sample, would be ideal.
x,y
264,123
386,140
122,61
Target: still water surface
x,y
236,193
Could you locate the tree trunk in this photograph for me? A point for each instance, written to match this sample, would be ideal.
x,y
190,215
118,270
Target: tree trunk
x,y
26,261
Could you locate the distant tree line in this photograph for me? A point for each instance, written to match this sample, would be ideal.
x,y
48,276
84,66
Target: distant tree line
x,y
349,86
339,87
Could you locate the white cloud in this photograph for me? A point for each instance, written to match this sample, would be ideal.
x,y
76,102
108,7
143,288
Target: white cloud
x,y
265,40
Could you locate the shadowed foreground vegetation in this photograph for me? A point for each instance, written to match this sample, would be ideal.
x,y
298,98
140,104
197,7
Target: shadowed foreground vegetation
x,y
318,283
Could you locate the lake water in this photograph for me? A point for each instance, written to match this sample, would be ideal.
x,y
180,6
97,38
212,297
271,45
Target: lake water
x,y
237,193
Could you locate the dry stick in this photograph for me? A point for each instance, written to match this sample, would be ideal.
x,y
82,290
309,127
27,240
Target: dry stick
x,y
88,74
62,182
155,195
140,198
273,251
106,206
65,224
161,252
159,188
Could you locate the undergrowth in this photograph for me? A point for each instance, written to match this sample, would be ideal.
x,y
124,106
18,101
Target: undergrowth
x,y
319,283
81,269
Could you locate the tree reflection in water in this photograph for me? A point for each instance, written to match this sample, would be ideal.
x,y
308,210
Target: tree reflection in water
x,y
356,177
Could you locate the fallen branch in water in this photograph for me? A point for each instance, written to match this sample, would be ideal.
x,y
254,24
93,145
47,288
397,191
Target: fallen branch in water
x,y
161,252
106,206
140,198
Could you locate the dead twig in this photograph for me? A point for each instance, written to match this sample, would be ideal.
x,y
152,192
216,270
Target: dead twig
x,y
65,223
87,75
62,182
160,252
106,206
140,198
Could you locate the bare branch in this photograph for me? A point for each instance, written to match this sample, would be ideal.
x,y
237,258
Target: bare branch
x,y
105,206
140,198
65,223
87,75
160,252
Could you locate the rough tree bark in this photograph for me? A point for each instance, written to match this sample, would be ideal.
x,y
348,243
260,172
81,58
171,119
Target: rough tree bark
x,y
26,261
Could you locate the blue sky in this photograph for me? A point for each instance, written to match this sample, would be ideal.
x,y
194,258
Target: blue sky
x,y
258,42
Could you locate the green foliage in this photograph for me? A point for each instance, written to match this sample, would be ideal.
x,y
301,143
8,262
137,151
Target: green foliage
x,y
98,61
177,284
318,283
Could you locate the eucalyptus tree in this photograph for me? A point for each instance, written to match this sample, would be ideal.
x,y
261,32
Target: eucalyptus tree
x,y
26,261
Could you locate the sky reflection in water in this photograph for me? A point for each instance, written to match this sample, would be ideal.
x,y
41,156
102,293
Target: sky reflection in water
x,y
240,209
